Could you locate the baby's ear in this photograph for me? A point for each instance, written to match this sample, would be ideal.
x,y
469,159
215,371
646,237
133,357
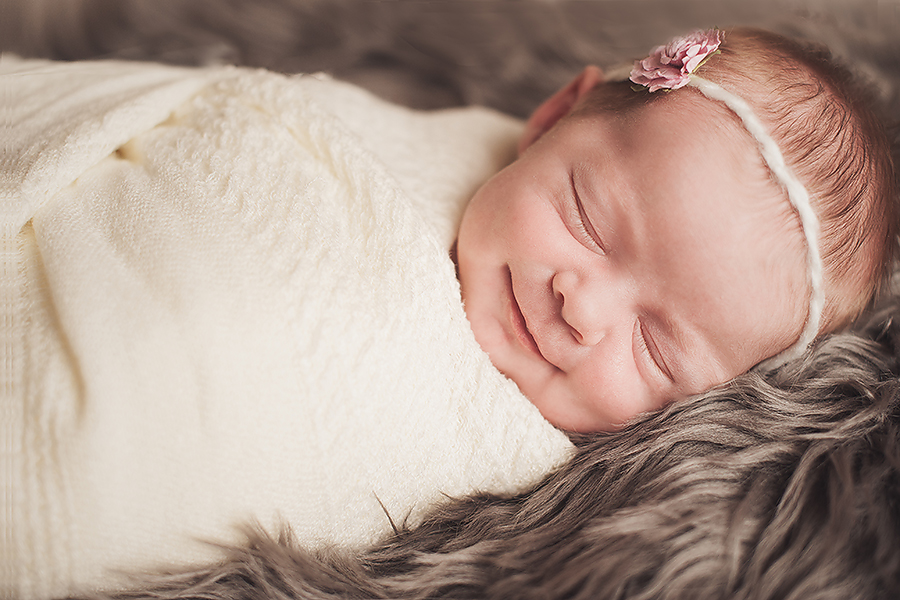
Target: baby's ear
x,y
559,105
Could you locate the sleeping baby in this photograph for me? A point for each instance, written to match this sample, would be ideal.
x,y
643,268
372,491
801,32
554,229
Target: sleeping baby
x,y
244,297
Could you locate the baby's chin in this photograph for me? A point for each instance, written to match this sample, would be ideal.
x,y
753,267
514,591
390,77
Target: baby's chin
x,y
568,415
549,390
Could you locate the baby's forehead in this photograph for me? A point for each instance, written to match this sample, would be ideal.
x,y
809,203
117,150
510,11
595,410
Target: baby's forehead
x,y
670,127
685,111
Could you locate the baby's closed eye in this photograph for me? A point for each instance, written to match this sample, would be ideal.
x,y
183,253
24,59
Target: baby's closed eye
x,y
580,224
648,347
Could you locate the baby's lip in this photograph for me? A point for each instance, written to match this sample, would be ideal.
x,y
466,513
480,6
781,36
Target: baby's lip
x,y
518,323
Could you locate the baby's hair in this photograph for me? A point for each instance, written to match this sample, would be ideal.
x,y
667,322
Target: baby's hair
x,y
823,120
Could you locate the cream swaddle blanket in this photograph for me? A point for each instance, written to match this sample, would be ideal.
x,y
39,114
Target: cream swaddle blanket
x,y
230,299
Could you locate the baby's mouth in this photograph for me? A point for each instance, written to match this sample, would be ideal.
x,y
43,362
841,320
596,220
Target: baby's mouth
x,y
518,323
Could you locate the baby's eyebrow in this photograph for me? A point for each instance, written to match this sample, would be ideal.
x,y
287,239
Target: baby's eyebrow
x,y
697,363
673,344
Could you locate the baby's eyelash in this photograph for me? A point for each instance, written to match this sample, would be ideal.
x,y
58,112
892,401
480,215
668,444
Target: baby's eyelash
x,y
582,223
645,349
643,346
583,232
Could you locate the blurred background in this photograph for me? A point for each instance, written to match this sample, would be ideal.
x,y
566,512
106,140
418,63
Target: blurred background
x,y
508,54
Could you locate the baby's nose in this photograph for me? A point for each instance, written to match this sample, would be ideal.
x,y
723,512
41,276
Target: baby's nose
x,y
585,308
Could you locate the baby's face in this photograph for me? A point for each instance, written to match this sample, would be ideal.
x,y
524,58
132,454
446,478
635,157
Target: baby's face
x,y
620,264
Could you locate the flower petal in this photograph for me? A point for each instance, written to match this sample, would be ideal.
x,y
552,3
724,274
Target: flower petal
x,y
670,66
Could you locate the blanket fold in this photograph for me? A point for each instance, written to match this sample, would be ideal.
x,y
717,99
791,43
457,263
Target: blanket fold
x,y
233,302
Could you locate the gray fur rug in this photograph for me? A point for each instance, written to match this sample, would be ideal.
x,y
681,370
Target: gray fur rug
x,y
778,487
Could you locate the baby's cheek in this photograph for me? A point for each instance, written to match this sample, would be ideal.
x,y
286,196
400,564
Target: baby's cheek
x,y
615,390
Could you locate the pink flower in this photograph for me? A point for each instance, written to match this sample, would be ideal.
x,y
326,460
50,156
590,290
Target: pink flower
x,y
670,66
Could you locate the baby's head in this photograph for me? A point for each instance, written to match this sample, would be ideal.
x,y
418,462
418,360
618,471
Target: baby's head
x,y
644,247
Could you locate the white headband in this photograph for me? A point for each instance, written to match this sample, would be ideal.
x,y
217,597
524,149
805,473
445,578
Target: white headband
x,y
672,67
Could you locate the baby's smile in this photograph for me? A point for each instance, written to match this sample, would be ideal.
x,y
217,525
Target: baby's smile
x,y
518,323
